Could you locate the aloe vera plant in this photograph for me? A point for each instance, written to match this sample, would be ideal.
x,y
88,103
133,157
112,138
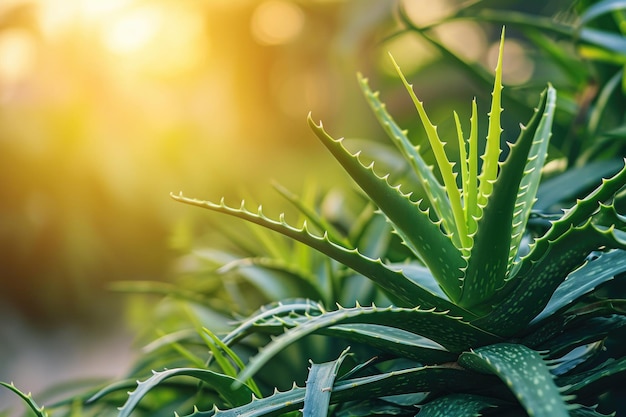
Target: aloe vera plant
x,y
476,319
473,325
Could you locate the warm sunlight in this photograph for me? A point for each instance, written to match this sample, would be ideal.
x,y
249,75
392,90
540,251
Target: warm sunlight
x,y
163,38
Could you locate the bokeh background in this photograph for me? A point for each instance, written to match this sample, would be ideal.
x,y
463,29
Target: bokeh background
x,y
108,106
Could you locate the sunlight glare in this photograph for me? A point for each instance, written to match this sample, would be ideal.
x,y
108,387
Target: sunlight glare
x,y
158,39
132,31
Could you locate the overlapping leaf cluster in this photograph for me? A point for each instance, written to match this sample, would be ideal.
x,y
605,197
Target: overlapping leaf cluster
x,y
486,328
475,320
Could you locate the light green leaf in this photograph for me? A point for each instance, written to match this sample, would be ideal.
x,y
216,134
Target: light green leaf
x,y
459,230
434,190
507,210
491,156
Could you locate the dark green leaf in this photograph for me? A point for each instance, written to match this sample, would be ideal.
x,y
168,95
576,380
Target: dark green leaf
x,y
525,373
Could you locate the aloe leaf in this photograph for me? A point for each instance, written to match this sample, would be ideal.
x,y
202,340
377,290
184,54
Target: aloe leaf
x,y
526,374
578,214
595,380
444,165
393,341
491,156
27,398
584,280
529,184
403,291
434,190
221,383
508,207
267,312
456,405
583,331
319,386
450,332
413,225
575,182
411,380
534,287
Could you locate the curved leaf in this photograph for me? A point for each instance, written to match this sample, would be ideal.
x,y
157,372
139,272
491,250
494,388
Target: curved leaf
x,y
27,398
403,290
424,237
524,372
583,281
452,333
434,190
412,380
221,383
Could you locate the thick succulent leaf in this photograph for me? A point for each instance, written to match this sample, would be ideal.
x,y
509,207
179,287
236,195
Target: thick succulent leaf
x,y
412,380
393,341
536,285
28,400
319,386
223,384
402,290
552,257
586,411
450,332
508,208
424,237
458,224
525,373
529,184
434,190
578,214
456,405
579,325
609,374
491,156
574,182
583,281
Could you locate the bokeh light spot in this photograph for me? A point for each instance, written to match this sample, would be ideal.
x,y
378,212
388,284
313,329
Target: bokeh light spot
x,y
467,39
426,12
517,66
276,22
18,53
